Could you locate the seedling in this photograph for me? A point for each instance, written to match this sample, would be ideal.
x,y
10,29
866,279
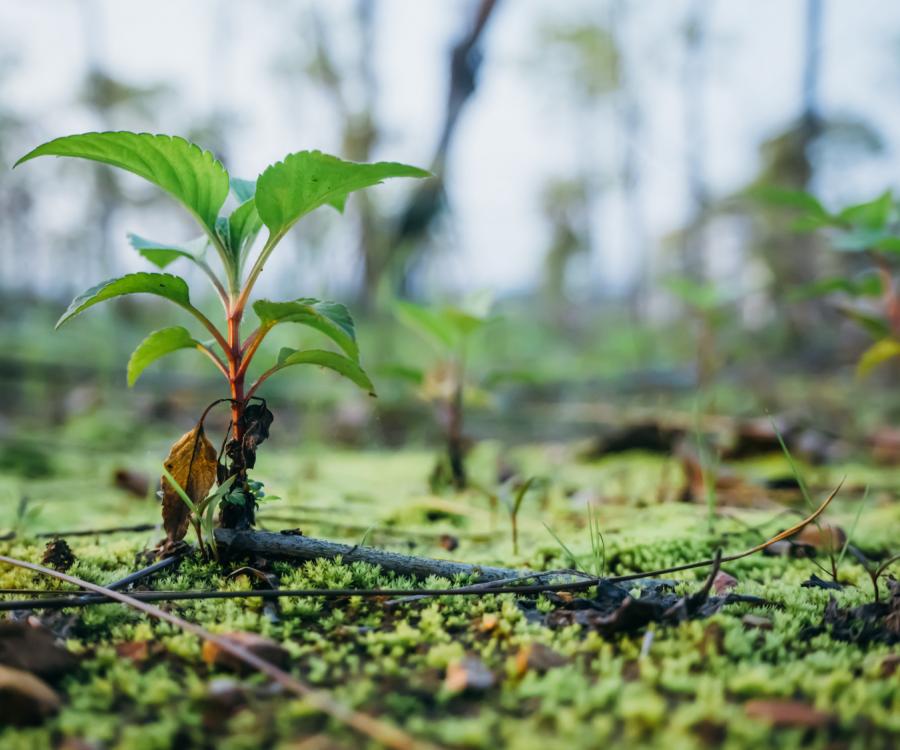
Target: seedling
x,y
870,230
511,494
284,192
710,306
597,559
449,330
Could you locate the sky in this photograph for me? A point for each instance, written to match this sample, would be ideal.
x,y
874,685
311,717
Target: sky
x,y
518,131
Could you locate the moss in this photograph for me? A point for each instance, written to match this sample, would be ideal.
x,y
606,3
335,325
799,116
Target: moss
x,y
686,691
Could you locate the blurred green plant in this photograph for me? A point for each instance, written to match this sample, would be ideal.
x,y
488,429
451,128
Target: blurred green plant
x,y
444,384
712,307
285,192
871,230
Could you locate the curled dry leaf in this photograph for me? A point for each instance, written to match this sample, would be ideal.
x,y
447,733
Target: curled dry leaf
x,y
192,462
24,698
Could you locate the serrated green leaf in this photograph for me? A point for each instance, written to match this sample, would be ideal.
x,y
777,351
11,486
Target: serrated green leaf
x,y
337,362
161,254
191,175
331,318
166,285
306,180
879,352
158,344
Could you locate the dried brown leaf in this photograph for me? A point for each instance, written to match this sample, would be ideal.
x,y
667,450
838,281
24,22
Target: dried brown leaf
x,y
24,698
192,462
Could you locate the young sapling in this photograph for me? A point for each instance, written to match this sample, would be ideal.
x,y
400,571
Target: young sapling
x,y
226,253
449,330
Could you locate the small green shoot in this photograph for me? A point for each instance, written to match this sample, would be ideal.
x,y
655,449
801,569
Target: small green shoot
x,y
597,562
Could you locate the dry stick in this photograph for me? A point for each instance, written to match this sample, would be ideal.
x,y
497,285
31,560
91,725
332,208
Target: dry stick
x,y
371,727
86,532
417,565
504,586
307,548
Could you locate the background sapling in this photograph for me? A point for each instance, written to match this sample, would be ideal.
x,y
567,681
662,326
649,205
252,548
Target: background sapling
x,y
867,235
449,330
284,192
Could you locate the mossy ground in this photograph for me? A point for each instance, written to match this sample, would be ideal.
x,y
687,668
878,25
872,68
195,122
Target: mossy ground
x,y
688,690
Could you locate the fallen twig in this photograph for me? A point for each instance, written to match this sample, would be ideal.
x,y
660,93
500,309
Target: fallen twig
x,y
308,548
376,729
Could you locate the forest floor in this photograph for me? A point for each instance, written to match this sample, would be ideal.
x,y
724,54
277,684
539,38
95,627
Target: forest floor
x,y
545,671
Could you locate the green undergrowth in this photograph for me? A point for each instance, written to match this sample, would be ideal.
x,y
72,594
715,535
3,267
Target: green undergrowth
x,y
689,688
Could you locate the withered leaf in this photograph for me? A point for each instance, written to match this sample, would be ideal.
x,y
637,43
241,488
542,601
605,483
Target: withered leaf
x,y
192,463
33,649
25,699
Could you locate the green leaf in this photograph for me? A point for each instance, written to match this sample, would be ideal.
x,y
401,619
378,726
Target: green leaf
x,y
865,285
798,199
331,318
888,244
702,296
161,254
877,328
158,344
306,180
857,240
337,362
872,215
879,352
429,323
166,285
243,227
243,190
185,171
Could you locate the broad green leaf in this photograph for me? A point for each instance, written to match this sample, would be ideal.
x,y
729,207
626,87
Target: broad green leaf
x,y
879,352
888,244
158,344
872,215
857,240
166,285
331,318
788,198
306,180
429,323
161,254
188,173
243,226
877,328
243,189
865,285
413,375
337,362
